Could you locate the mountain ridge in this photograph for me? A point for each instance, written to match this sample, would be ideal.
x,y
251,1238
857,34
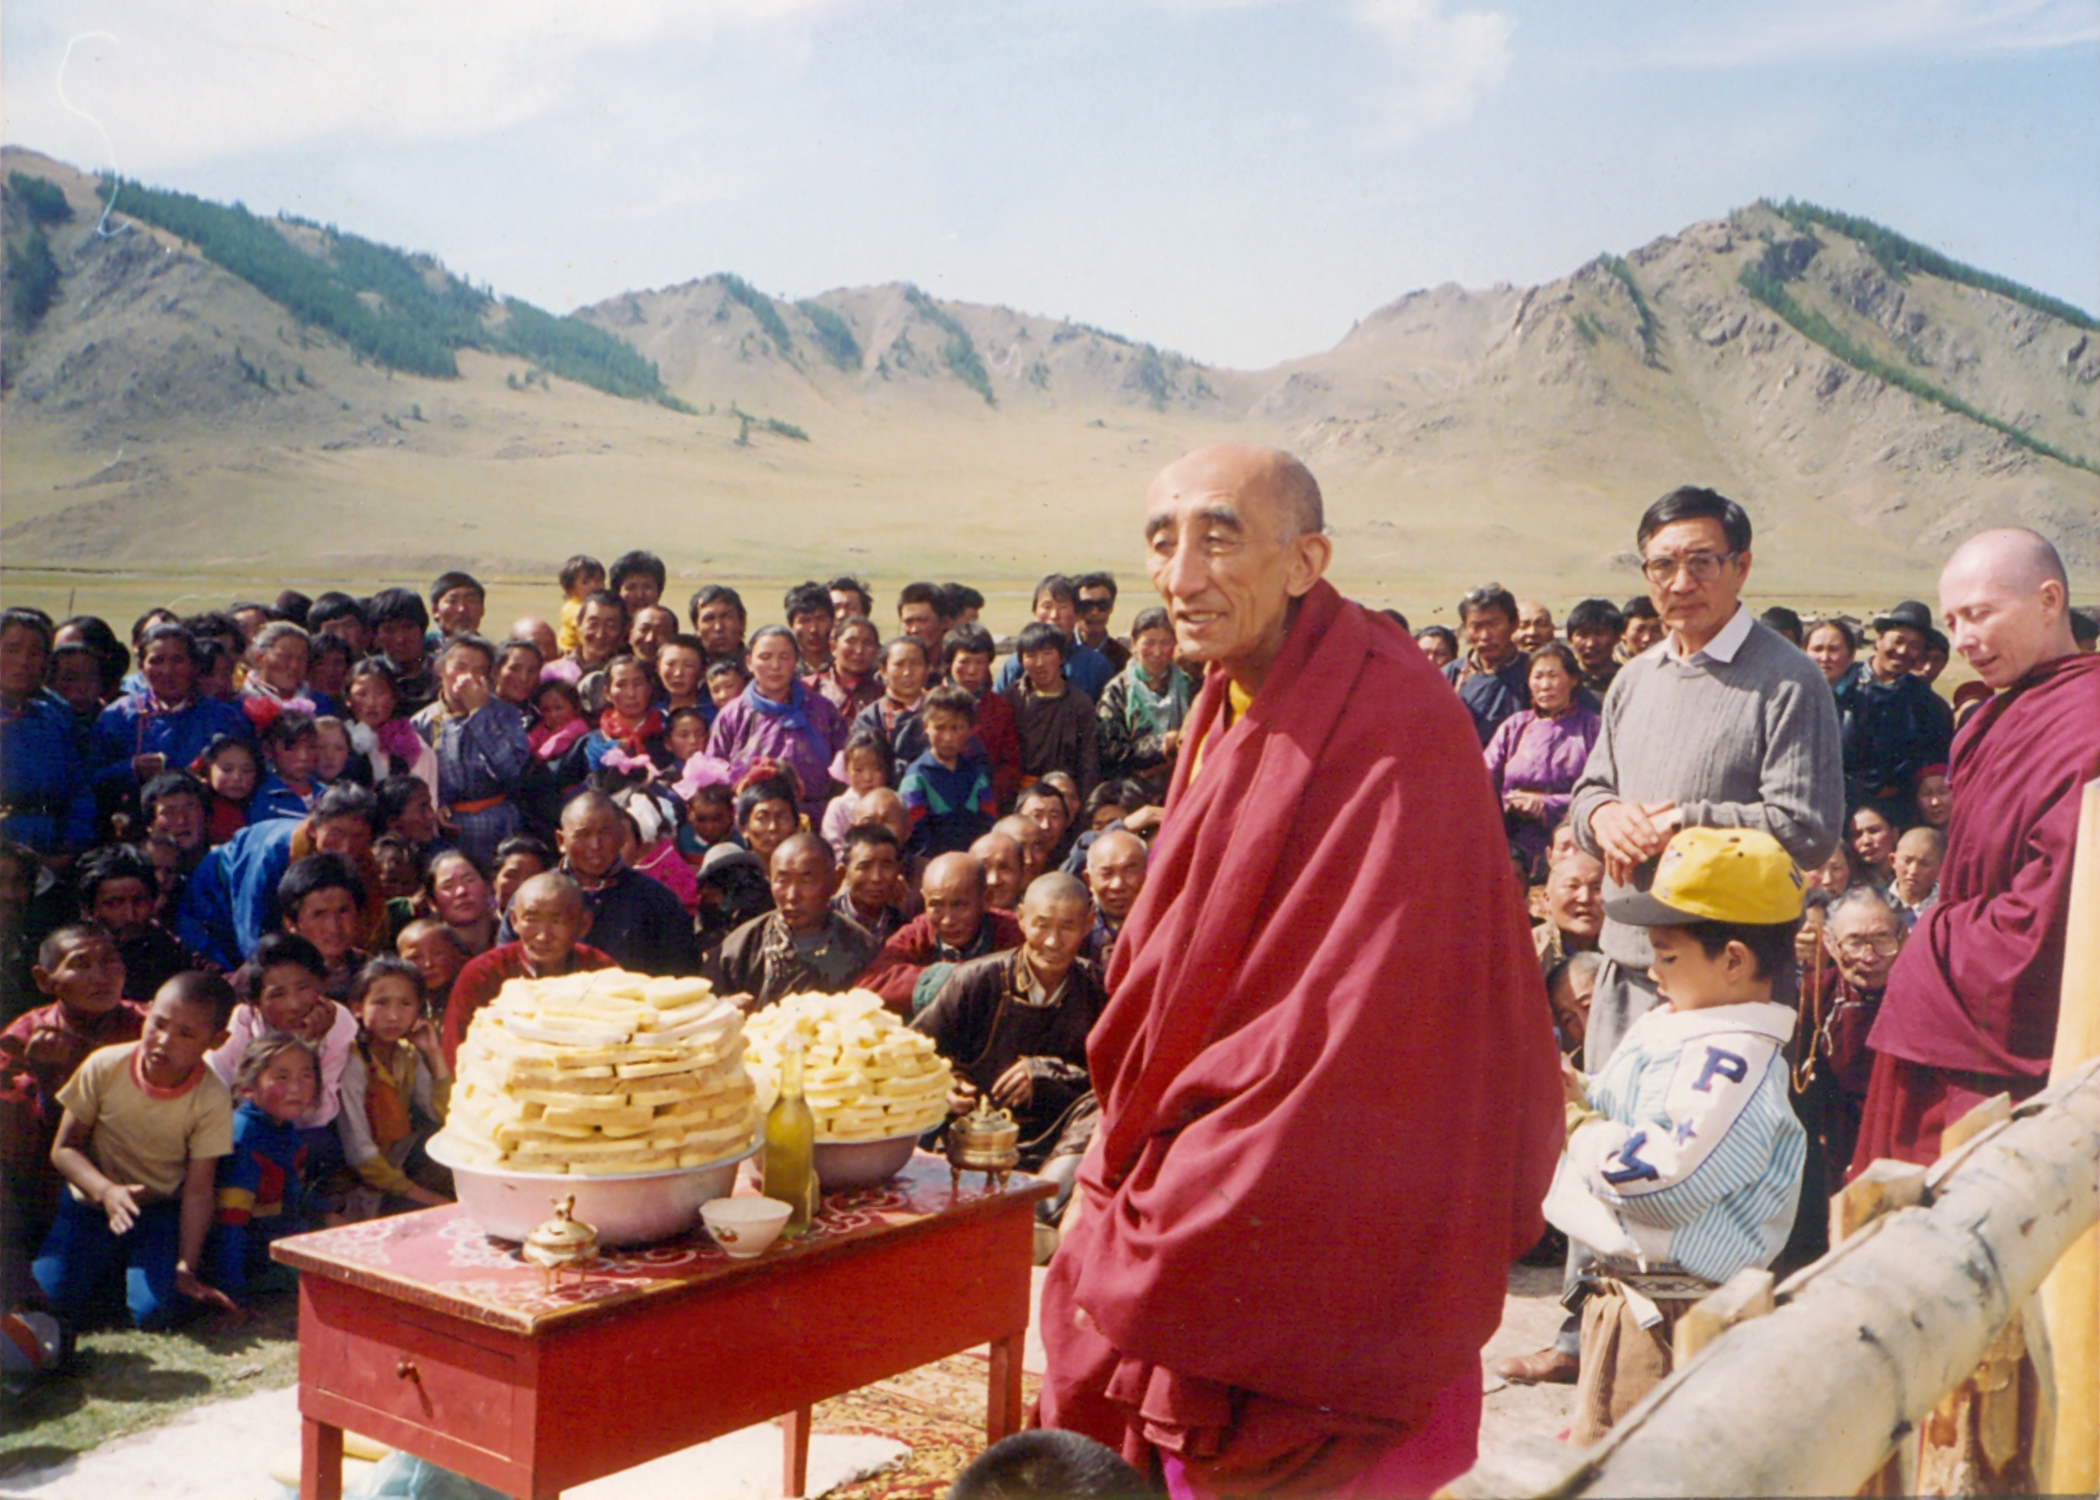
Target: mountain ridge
x,y
1446,422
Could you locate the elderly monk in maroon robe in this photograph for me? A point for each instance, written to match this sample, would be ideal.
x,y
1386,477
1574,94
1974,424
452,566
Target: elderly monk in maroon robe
x,y
1971,1003
1329,1102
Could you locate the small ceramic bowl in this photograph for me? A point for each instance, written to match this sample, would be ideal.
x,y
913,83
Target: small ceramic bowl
x,y
743,1227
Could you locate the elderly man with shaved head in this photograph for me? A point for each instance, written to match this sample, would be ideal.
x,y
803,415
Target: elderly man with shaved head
x,y
1326,1028
960,923
804,944
1971,1004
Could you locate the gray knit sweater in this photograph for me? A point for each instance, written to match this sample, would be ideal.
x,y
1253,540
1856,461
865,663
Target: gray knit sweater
x,y
1751,743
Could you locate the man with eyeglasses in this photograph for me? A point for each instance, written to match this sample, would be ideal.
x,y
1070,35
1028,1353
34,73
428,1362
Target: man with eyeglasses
x,y
1725,725
1862,934
1095,595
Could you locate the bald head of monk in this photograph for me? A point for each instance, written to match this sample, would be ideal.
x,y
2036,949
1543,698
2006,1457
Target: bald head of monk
x,y
2006,600
550,918
1002,869
953,889
1234,537
1056,915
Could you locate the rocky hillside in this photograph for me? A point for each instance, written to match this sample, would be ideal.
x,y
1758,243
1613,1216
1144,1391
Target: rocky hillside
x,y
1869,401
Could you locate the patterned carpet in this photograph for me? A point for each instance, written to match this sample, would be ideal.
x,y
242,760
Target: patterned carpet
x,y
936,1410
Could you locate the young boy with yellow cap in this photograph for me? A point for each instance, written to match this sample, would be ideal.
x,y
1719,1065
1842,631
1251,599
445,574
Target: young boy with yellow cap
x,y
1684,1156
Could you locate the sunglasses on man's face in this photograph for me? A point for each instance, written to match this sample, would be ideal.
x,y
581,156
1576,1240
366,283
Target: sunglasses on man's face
x,y
1095,606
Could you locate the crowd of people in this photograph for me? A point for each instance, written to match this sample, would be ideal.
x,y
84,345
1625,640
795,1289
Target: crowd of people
x,y
262,865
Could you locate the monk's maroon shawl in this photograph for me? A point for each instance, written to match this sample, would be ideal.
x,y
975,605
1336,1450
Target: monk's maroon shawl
x,y
1328,1085
1976,988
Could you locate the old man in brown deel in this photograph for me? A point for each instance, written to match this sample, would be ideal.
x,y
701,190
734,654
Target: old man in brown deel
x,y
1329,1105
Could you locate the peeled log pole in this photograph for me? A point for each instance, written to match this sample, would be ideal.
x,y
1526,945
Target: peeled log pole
x,y
2071,1295
1810,1399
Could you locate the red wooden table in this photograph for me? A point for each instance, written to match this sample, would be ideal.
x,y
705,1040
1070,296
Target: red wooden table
x,y
424,1334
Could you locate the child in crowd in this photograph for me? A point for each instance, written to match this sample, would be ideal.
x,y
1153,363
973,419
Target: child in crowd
x,y
399,1083
966,653
322,899
685,736
482,752
1919,855
725,681
1056,724
292,747
653,821
680,662
518,665
863,766
218,672
1935,798
893,719
282,990
81,978
408,811
948,793
562,722
518,859
262,1181
581,577
331,749
1684,1156
437,954
710,819
630,731
328,674
396,858
143,1128
228,766
383,742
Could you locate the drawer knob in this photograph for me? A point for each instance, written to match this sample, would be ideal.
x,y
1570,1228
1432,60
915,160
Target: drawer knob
x,y
406,1370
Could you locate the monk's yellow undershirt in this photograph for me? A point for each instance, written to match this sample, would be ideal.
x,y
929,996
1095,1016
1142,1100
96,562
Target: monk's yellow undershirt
x,y
1237,701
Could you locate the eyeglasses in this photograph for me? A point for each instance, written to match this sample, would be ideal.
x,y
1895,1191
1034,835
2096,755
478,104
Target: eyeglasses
x,y
1868,947
1096,606
1704,567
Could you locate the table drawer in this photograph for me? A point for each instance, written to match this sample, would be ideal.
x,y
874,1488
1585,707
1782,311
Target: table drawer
x,y
398,1368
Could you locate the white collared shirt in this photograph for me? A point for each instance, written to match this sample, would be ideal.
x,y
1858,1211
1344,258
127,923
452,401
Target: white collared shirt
x,y
1723,647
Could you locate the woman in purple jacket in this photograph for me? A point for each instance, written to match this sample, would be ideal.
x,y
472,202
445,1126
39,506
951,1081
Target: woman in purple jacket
x,y
1536,756
779,719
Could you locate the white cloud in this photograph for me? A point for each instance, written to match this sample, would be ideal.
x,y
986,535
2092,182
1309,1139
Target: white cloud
x,y
177,84
1816,30
1441,63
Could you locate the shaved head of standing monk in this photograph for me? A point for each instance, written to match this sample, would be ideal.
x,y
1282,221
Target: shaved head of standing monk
x,y
1971,1004
1327,1030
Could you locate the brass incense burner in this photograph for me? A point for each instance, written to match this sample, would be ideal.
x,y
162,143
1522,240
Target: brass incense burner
x,y
985,1140
561,1244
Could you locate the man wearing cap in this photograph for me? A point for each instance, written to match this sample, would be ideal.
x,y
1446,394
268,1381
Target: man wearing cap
x,y
1970,1010
1893,723
1684,1157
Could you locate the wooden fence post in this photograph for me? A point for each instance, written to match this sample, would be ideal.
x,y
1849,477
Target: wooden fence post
x,y
2070,1298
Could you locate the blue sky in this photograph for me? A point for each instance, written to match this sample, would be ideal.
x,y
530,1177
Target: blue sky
x,y
1232,179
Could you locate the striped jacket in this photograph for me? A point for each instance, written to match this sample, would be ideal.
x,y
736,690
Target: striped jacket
x,y
1697,1161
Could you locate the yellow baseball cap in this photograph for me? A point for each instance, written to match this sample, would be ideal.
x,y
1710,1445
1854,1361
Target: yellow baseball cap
x,y
1716,875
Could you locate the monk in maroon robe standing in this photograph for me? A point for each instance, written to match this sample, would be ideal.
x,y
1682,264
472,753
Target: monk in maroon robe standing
x,y
1329,1102
1971,1005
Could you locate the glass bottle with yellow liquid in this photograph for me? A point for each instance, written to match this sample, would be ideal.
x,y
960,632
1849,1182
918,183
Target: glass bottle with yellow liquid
x,y
791,1144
